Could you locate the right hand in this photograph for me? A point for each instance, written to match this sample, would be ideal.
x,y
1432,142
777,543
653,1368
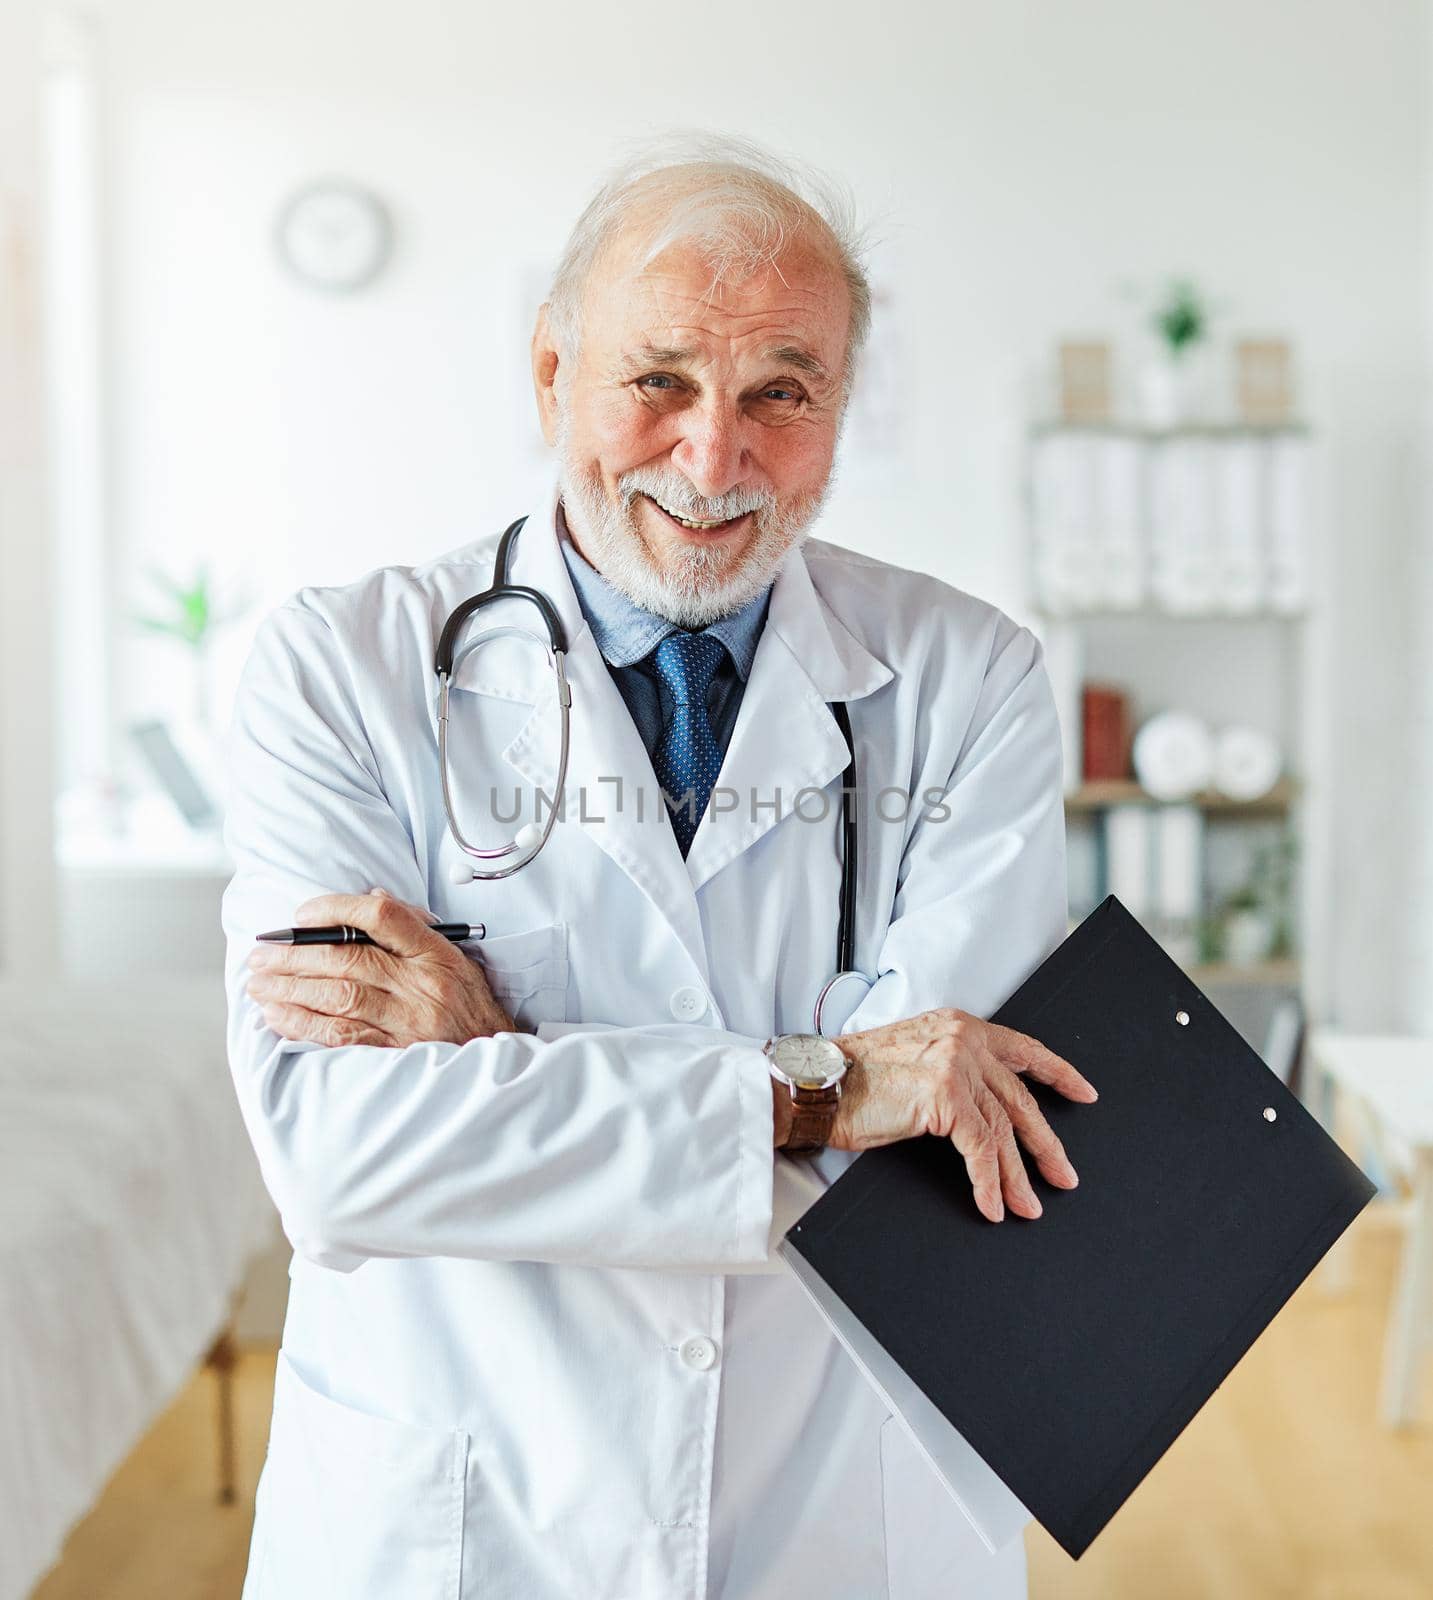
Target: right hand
x,y
410,986
948,1073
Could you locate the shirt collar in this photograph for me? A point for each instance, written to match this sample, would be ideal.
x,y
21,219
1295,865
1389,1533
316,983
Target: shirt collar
x,y
626,632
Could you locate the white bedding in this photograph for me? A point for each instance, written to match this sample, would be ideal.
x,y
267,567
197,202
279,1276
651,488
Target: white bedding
x,y
130,1204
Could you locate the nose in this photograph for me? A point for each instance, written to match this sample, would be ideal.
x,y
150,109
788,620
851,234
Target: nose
x,y
711,451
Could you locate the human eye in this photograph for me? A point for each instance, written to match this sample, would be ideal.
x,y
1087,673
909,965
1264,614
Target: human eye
x,y
661,391
779,400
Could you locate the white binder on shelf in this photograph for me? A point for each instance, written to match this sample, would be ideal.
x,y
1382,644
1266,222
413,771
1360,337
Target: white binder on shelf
x,y
1239,535
1119,529
1179,853
1128,857
1182,564
1063,489
1288,523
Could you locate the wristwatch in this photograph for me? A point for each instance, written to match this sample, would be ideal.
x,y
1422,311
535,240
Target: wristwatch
x,y
812,1069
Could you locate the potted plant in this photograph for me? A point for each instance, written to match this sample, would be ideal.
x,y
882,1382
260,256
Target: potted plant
x,y
190,614
1169,384
1248,928
1255,918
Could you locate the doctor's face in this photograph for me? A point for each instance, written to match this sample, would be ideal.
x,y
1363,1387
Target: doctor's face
x,y
696,425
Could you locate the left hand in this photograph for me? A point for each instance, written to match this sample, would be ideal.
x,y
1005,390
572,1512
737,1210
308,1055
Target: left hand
x,y
410,987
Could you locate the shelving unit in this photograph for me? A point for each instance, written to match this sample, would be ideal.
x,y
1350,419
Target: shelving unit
x,y
1264,974
1092,797
1243,663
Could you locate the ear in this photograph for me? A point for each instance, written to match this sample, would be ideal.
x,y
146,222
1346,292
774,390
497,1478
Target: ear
x,y
545,362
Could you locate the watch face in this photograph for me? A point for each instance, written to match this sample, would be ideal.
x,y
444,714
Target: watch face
x,y
808,1060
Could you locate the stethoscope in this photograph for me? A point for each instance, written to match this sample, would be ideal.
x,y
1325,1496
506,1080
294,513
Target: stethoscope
x,y
488,865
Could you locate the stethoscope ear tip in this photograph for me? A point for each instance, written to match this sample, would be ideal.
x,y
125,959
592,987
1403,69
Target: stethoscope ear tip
x,y
529,838
461,872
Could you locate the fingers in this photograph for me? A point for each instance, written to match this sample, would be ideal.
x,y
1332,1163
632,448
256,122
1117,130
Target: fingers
x,y
297,1022
331,997
364,962
1015,1182
428,916
1034,1132
1021,1053
390,922
1020,1197
975,1141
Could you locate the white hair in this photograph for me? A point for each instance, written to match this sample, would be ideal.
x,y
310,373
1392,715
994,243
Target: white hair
x,y
739,202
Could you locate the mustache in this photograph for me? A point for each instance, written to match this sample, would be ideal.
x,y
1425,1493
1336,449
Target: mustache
x,y
676,494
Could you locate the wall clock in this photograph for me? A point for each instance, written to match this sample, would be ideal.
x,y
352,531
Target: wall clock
x,y
334,235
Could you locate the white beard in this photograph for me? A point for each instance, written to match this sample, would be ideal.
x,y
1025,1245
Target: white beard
x,y
703,585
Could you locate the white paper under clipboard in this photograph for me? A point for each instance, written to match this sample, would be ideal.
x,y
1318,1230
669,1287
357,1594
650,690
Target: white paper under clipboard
x,y
986,1503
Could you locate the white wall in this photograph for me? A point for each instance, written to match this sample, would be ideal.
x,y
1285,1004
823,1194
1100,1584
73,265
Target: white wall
x,y
1025,158
27,920
1420,878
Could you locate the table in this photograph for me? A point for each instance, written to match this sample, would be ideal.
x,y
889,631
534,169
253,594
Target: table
x,y
1392,1079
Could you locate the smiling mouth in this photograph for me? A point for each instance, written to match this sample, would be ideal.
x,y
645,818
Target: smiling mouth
x,y
692,524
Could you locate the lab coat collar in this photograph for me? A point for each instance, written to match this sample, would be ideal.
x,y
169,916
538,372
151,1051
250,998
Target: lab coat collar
x,y
835,663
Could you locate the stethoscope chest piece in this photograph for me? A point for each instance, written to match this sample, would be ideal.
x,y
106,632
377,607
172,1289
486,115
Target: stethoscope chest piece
x,y
837,1002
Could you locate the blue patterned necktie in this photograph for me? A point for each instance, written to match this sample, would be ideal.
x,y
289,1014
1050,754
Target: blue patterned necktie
x,y
686,757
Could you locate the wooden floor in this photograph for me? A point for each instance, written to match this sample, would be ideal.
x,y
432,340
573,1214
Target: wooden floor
x,y
1283,1488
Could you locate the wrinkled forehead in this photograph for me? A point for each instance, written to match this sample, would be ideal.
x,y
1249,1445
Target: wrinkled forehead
x,y
681,297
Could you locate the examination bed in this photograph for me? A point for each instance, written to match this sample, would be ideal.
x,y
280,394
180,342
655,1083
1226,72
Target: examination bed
x,y
130,1206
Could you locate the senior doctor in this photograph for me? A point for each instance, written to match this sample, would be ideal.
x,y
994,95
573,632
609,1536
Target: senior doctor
x,y
538,1345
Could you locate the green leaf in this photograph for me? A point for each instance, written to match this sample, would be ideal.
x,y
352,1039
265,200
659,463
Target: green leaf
x,y
1181,319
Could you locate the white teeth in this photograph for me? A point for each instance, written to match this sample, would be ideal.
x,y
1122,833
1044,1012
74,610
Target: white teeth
x,y
689,522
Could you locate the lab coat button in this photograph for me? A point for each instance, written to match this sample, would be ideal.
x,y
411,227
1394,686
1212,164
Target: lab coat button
x,y
688,1004
699,1353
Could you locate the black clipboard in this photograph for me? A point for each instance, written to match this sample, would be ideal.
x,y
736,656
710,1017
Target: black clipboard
x,y
1068,1353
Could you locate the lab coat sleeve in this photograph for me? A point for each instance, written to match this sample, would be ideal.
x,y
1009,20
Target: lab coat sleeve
x,y
982,894
631,1147
796,1184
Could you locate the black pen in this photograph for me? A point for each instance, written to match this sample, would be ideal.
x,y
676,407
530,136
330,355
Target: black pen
x,y
454,932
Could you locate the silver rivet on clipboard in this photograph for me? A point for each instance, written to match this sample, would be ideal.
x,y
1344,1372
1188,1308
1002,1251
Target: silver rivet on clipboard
x,y
1182,1018
1270,1115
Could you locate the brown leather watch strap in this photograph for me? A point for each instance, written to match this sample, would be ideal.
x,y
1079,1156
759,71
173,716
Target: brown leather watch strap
x,y
813,1111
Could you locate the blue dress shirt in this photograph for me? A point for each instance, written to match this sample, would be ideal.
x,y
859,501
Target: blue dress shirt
x,y
627,634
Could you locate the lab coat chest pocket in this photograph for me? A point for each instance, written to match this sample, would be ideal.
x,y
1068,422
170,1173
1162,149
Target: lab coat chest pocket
x,y
527,973
356,1506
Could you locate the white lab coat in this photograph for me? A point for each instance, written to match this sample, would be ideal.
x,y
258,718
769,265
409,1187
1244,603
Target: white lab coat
x,y
537,1345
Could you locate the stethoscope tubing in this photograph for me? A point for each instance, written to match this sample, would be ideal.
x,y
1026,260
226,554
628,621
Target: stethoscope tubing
x,y
526,851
